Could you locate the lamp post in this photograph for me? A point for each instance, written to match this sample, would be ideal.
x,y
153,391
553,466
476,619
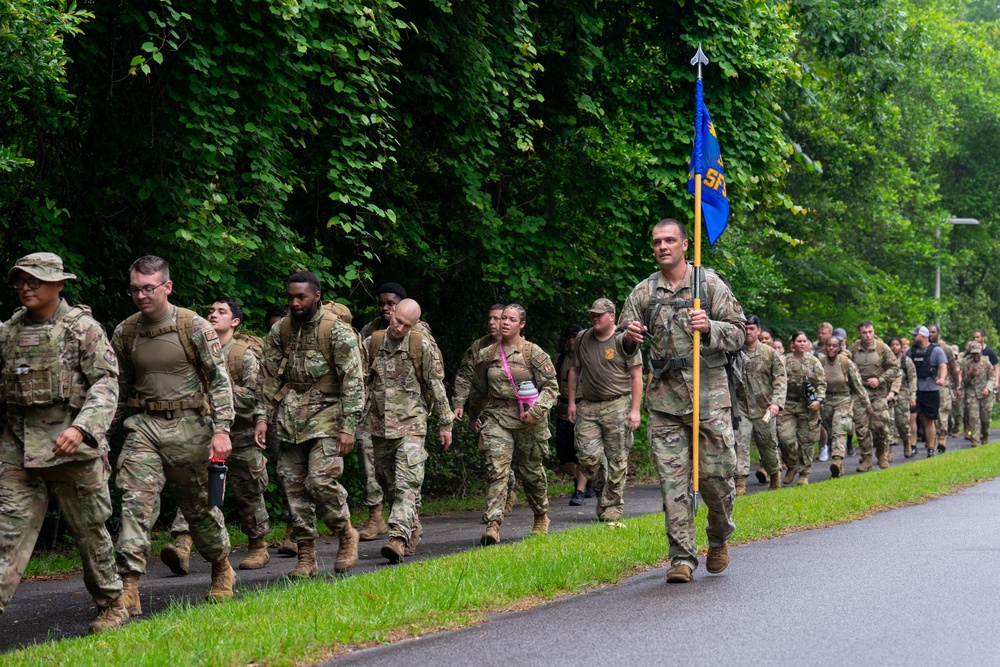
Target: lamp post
x,y
937,277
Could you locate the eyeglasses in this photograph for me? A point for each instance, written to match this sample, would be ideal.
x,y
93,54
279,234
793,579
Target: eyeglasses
x,y
30,282
147,290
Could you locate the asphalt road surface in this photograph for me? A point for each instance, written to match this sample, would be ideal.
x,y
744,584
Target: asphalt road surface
x,y
51,610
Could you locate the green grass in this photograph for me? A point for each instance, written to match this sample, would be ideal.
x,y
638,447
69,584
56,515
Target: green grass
x,y
309,621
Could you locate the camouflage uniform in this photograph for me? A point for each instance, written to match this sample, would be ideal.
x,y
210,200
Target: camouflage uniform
x,y
56,374
504,439
396,420
246,480
873,431
843,390
943,424
670,403
907,389
764,383
977,376
798,426
310,403
166,447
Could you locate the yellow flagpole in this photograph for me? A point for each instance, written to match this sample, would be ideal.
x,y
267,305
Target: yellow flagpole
x,y
696,366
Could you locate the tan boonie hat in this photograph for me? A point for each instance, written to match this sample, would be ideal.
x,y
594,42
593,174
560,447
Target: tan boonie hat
x,y
603,305
975,348
45,266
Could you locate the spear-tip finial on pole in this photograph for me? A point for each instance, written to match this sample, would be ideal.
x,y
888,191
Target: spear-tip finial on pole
x,y
699,59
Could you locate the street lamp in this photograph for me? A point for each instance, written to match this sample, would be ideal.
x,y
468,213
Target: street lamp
x,y
946,221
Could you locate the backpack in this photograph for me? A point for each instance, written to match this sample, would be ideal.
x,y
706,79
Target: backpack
x,y
241,343
416,353
332,311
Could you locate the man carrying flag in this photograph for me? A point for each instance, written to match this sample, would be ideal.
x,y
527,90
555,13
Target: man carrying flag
x,y
689,399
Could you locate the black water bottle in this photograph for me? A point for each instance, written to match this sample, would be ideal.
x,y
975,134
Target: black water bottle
x,y
216,483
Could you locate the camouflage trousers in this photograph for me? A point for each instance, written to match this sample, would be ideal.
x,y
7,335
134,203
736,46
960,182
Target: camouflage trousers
x,y
81,489
670,449
399,465
602,431
246,483
980,411
373,493
872,432
521,448
174,453
838,421
943,422
273,454
764,437
798,431
901,417
311,472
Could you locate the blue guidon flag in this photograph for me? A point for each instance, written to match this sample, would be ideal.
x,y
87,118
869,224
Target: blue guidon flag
x,y
706,159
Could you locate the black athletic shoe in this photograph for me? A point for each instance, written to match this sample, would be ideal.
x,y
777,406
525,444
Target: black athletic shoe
x,y
589,491
577,499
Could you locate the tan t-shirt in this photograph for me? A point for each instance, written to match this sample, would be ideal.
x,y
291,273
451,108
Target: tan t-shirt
x,y
604,367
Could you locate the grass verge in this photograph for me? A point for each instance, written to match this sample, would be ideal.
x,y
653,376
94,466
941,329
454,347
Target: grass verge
x,y
310,621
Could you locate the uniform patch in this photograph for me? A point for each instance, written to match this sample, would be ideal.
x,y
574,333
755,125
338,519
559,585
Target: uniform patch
x,y
216,349
609,353
110,357
29,340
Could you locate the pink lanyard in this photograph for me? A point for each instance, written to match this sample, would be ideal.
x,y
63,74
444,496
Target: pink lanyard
x,y
506,368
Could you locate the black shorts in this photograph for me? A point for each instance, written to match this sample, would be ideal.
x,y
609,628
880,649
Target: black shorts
x,y
928,404
565,444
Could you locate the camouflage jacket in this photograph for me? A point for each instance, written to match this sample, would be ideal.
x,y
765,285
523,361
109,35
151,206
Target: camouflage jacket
x,y
764,381
492,389
395,404
302,395
877,362
673,339
907,378
843,388
56,374
209,378
245,391
953,377
798,370
977,376
466,368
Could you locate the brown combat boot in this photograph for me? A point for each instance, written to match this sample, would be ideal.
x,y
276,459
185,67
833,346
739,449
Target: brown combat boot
x,y
177,556
257,556
907,450
789,476
837,467
130,593
775,482
679,574
889,455
223,581
741,485
115,615
762,476
376,525
718,559
306,567
610,514
541,525
866,463
491,535
394,550
508,507
883,460
288,548
347,551
803,479
418,532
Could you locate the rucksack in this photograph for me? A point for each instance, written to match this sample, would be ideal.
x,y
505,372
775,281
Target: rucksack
x,y
241,343
416,353
331,311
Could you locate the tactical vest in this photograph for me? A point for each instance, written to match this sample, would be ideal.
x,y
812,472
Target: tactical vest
x,y
921,357
184,326
234,361
845,364
328,384
415,353
35,371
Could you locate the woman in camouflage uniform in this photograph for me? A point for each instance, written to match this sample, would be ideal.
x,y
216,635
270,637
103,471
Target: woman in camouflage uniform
x,y
798,423
843,387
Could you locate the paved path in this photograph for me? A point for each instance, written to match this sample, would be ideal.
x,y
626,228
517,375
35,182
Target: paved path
x,y
50,610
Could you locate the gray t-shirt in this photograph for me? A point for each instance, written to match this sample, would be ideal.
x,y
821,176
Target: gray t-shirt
x,y
936,359
604,366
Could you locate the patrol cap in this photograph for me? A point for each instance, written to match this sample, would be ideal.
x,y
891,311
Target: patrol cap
x,y
45,266
921,331
603,305
839,334
975,347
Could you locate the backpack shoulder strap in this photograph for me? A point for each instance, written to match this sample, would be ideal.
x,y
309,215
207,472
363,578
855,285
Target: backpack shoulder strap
x,y
374,343
129,327
185,331
845,363
324,335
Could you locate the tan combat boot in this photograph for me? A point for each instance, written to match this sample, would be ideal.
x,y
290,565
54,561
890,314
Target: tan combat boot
x,y
610,514
347,551
418,532
130,593
837,467
718,559
775,482
288,548
257,556
306,567
803,479
907,450
177,556
491,535
866,463
883,459
375,526
115,615
541,525
762,476
508,507
394,550
889,455
741,485
789,476
679,574
223,581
